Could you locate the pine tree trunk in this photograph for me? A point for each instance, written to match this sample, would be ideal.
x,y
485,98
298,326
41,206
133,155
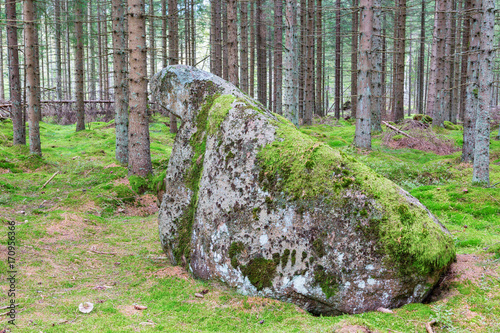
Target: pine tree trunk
x,y
337,60
420,98
383,92
139,160
105,50
465,53
261,53
121,80
319,59
164,33
445,98
32,93
471,99
481,168
16,110
269,70
152,46
376,73
80,107
2,92
91,81
308,94
362,138
232,41
435,103
218,38
225,62
244,45
290,68
69,92
303,57
173,48
253,34
278,54
354,58
400,63
452,97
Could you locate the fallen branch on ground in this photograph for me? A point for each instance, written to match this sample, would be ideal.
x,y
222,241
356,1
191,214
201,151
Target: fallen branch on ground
x,y
48,181
397,130
428,326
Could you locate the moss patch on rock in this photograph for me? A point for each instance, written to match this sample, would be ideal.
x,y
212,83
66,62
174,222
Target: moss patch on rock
x,y
234,250
328,282
260,272
218,112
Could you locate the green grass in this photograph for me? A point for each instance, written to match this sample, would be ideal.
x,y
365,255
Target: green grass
x,y
90,207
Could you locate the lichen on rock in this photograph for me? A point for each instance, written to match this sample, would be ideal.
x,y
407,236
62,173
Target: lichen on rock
x,y
253,202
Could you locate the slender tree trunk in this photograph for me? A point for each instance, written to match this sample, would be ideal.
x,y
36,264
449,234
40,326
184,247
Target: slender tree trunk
x,y
354,59
2,92
410,64
261,53
253,27
80,107
173,48
436,61
362,138
376,69
481,169
217,38
92,81
33,96
465,53
16,110
278,53
232,41
139,160
303,57
309,99
121,80
471,101
101,56
383,91
152,46
105,50
421,57
337,60
269,70
452,97
225,59
164,33
290,68
69,93
319,58
444,100
400,63
244,45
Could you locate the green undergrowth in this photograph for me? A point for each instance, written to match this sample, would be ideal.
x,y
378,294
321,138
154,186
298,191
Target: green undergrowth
x,y
59,227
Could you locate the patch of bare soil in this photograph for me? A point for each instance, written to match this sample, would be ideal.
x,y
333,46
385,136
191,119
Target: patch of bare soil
x,y
353,329
172,271
468,267
112,165
422,138
129,310
121,181
145,205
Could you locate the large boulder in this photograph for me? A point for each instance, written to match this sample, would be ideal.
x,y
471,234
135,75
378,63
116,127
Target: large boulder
x,y
253,202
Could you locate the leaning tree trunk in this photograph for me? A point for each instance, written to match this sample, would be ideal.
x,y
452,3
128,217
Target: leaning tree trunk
x,y
33,97
16,110
362,137
173,47
121,80
139,159
290,65
471,95
80,107
481,169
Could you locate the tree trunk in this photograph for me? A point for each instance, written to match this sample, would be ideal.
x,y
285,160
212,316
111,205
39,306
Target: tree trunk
x,y
308,94
79,93
319,59
481,169
16,110
471,101
217,38
244,46
69,92
33,97
2,92
383,91
290,68
139,160
121,80
303,57
452,97
437,74
465,53
278,52
173,47
152,46
362,138
225,62
261,53
232,41
376,69
270,70
252,49
354,58
164,33
337,60
420,98
400,63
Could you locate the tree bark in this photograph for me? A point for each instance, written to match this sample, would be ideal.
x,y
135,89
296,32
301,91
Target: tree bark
x,y
152,46
139,160
217,38
290,68
471,99
278,56
261,53
252,49
173,47
244,45
437,72
16,110
319,59
400,63
421,57
232,41
337,60
481,173
308,95
383,92
79,94
225,62
121,80
354,58
2,92
362,138
465,53
376,69
32,93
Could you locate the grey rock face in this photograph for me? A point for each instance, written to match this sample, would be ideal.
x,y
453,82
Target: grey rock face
x,y
253,202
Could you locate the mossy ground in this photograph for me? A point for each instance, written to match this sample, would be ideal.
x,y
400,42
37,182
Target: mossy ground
x,y
79,212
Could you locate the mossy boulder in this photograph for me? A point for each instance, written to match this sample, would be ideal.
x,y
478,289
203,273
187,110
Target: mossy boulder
x,y
451,126
423,118
253,202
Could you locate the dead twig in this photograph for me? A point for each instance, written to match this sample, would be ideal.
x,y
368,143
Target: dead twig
x,y
100,252
48,181
7,306
428,326
397,130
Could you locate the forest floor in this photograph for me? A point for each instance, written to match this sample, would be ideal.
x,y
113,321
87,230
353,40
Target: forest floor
x,y
88,237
